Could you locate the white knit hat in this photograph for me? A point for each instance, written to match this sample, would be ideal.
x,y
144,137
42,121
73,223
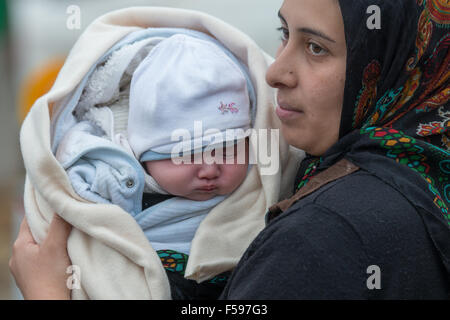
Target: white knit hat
x,y
181,81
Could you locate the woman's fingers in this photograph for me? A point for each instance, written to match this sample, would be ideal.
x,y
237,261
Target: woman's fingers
x,y
58,233
25,233
24,238
40,269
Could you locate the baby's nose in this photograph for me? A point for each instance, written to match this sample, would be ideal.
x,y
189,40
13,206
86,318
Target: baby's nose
x,y
209,171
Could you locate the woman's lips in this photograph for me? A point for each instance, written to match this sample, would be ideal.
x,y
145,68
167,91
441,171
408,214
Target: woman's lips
x,y
286,113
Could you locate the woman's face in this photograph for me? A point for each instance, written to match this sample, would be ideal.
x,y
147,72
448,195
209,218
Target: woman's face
x,y
309,73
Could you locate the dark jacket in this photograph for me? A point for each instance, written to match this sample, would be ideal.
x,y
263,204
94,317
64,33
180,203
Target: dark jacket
x,y
322,247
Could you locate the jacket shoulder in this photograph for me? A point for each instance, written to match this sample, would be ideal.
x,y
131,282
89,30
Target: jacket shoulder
x,y
369,204
362,192
380,216
323,245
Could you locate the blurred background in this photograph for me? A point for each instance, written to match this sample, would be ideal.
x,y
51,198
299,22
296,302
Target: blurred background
x,y
35,37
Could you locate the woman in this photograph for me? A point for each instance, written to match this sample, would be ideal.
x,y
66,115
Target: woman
x,y
364,90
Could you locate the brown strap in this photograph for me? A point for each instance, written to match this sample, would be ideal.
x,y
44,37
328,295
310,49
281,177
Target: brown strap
x,y
340,169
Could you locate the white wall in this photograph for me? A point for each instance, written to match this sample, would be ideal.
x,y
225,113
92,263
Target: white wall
x,y
39,26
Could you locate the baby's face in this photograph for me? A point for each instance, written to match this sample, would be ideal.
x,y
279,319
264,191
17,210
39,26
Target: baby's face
x,y
203,181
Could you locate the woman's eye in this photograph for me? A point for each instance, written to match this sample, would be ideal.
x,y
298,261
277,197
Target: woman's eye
x,y
284,33
316,50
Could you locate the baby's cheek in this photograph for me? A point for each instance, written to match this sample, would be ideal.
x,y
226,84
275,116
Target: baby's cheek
x,y
234,175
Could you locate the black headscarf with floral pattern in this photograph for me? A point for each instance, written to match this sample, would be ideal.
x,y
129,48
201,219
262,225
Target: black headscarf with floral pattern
x,y
396,114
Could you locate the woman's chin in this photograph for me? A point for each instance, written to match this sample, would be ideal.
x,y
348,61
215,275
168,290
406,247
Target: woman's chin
x,y
313,144
293,137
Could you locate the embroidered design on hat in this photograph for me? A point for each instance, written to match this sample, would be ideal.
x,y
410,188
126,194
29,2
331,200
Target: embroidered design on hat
x,y
225,108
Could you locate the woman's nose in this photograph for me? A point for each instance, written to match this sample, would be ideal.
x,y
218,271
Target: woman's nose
x,y
209,171
280,73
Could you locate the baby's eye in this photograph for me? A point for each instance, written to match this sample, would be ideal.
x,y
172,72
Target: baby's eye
x,y
196,158
284,33
228,152
316,50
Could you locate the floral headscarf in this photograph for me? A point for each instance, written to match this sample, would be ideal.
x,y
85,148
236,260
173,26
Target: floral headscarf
x,y
396,114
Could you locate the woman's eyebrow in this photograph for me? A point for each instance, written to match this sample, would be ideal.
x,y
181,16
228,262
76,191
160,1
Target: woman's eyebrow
x,y
316,33
307,30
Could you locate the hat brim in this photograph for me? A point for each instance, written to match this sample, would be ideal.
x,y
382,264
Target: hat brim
x,y
194,146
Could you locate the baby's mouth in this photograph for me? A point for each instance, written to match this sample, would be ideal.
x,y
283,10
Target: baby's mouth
x,y
208,188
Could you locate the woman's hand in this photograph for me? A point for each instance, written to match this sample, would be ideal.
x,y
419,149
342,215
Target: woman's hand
x,y
40,270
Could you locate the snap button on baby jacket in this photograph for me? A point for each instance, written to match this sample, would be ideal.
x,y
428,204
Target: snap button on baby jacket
x,y
130,183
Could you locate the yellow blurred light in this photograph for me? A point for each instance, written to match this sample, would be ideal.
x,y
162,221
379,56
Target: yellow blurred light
x,y
37,83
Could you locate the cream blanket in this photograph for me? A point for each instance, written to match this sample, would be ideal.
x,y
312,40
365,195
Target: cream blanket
x,y
106,244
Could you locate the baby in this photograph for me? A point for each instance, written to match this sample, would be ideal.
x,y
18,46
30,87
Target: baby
x,y
184,113
182,81
185,83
